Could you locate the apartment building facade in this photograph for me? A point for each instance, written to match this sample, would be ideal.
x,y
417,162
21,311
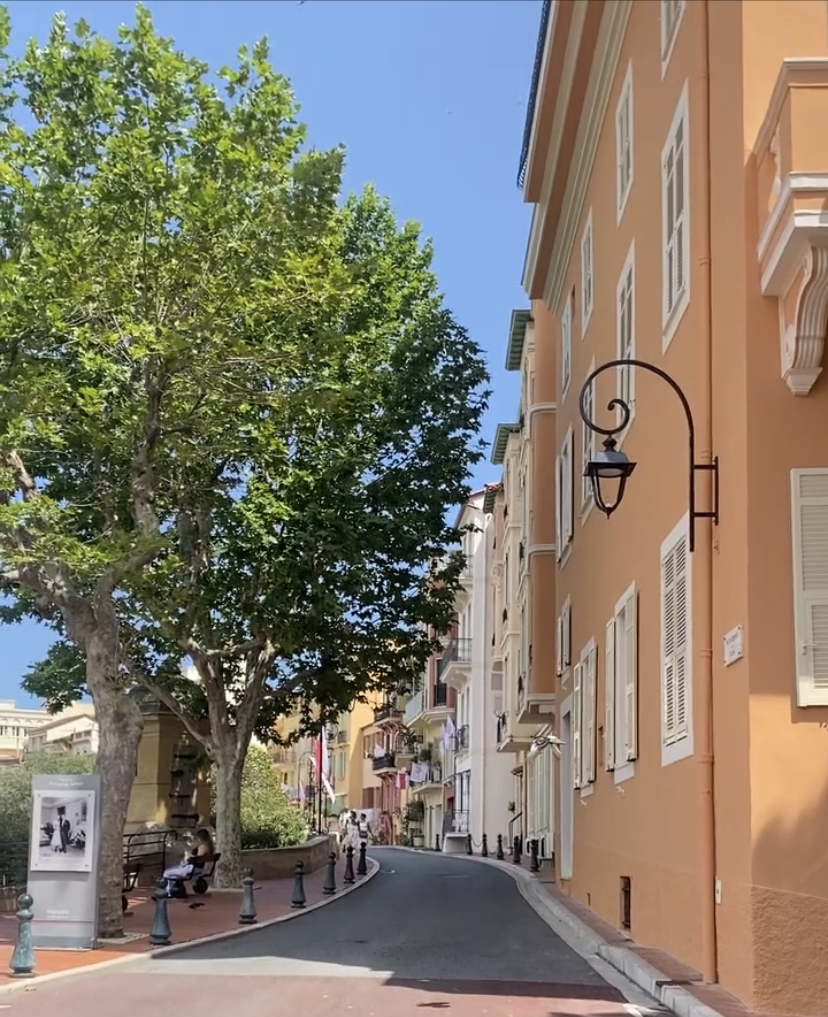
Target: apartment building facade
x,y
678,174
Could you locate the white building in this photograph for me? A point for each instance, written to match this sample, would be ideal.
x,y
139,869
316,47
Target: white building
x,y
479,781
73,730
15,726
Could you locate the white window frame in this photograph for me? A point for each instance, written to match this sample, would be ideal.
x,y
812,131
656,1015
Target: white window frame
x,y
624,144
806,594
675,304
621,339
566,346
621,688
677,745
587,446
585,691
564,498
564,641
587,274
669,32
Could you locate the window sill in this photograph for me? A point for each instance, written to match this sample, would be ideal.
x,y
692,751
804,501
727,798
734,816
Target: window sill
x,y
621,774
676,751
587,790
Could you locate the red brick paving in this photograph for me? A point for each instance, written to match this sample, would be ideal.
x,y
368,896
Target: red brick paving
x,y
111,994
219,914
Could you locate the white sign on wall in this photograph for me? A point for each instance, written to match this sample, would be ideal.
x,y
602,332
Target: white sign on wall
x,y
733,646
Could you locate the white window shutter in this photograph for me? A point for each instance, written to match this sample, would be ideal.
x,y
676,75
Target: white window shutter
x,y
559,648
567,634
682,648
591,686
569,488
809,526
631,677
577,720
609,697
559,507
668,648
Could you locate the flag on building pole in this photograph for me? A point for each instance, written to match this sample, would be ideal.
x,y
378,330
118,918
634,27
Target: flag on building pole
x,y
323,763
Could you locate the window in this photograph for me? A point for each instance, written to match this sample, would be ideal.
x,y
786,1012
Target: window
x,y
671,15
587,443
564,651
566,346
676,647
809,524
675,201
341,765
564,496
584,703
625,331
621,692
624,143
586,274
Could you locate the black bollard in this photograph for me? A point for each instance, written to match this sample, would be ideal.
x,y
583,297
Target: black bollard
x,y
362,864
247,911
516,851
329,886
349,865
469,848
534,864
298,900
499,853
22,962
436,841
484,851
160,932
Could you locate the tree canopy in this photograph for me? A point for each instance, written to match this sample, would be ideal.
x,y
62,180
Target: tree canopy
x,y
234,410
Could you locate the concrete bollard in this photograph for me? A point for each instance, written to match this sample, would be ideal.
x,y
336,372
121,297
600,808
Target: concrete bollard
x,y
534,864
160,933
298,900
516,851
362,864
499,853
484,851
329,886
349,865
22,960
247,911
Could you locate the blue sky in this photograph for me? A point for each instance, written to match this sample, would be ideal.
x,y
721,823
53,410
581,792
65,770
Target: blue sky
x,y
429,97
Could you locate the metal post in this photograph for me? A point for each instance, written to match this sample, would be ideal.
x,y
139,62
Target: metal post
x,y
349,865
329,886
516,851
22,961
298,900
362,864
484,851
247,911
469,848
499,853
160,933
534,864
436,841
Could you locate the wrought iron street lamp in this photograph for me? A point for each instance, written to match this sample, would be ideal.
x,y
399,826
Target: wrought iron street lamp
x,y
611,465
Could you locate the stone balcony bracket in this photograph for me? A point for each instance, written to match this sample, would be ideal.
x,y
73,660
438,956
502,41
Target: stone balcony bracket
x,y
791,157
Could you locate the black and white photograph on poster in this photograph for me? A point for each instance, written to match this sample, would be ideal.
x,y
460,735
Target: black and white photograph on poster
x,y
63,830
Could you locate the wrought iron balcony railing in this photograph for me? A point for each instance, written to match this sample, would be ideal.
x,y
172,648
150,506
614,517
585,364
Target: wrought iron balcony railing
x,y
459,649
461,739
456,822
388,711
383,762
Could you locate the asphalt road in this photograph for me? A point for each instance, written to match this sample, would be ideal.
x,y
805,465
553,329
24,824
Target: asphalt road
x,y
427,933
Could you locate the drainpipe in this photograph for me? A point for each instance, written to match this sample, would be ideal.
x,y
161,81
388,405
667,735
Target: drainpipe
x,y
703,564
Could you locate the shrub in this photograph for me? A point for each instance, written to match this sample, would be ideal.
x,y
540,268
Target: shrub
x,y
16,788
268,819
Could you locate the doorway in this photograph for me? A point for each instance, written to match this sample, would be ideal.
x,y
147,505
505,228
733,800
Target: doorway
x,y
567,793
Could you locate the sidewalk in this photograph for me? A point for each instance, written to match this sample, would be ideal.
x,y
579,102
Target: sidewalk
x,y
218,915
676,986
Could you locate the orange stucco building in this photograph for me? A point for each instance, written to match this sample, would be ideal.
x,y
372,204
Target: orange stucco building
x,y
677,161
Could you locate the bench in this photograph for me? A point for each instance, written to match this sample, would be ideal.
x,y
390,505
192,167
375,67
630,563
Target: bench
x,y
143,850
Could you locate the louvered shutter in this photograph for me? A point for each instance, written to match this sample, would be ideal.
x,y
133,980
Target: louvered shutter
x,y
809,525
630,622
609,697
577,721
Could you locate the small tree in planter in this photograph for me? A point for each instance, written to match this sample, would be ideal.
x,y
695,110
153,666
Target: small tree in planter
x,y
413,817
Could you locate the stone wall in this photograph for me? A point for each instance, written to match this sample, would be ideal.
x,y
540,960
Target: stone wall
x,y
279,863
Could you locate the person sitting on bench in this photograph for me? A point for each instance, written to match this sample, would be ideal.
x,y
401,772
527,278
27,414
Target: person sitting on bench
x,y
201,850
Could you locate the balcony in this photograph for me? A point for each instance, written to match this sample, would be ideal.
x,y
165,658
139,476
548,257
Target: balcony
x,y
388,714
533,708
456,822
513,736
414,708
384,764
461,740
281,756
433,778
454,666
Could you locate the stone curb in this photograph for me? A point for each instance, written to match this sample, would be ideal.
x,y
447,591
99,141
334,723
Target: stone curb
x,y
29,984
589,943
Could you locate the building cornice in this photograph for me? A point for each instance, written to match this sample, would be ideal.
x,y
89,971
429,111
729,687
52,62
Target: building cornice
x,y
602,75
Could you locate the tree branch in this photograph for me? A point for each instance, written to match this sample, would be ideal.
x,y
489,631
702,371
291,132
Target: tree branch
x,y
25,484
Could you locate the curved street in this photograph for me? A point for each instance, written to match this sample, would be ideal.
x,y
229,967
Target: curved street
x,y
428,932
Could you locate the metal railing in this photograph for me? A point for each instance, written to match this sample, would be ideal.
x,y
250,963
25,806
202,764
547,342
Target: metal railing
x,y
434,775
283,756
386,712
459,649
383,762
461,739
456,822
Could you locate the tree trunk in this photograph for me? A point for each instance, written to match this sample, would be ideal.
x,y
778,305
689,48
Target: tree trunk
x,y
120,725
228,778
